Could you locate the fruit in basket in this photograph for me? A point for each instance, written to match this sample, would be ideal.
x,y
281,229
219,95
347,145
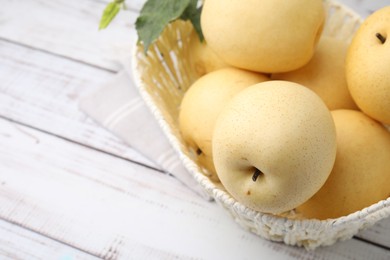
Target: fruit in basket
x,y
325,74
202,58
202,104
274,146
361,175
263,35
367,66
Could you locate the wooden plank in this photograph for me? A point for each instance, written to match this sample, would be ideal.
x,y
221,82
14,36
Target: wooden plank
x,y
89,209
135,5
43,91
117,210
19,243
379,233
69,28
364,7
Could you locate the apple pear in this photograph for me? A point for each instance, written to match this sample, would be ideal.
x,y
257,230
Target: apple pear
x,y
368,66
274,146
202,58
201,105
263,35
360,176
325,74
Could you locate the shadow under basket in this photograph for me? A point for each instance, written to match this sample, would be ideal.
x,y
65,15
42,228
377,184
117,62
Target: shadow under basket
x,y
163,76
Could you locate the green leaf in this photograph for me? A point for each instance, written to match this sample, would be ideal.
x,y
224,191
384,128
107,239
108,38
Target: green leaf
x,y
109,13
155,15
192,13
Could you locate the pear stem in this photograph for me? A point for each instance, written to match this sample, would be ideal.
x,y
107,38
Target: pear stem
x,y
381,37
256,174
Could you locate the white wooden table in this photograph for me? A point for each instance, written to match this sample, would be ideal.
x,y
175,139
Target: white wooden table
x,y
71,190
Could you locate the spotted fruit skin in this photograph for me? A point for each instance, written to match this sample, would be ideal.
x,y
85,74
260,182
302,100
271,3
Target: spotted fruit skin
x,y
285,131
360,176
263,35
325,74
202,104
367,66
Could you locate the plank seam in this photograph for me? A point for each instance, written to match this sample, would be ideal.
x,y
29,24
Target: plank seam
x,y
86,146
57,55
372,243
49,237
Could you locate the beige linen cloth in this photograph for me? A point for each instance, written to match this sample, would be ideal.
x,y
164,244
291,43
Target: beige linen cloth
x,y
118,107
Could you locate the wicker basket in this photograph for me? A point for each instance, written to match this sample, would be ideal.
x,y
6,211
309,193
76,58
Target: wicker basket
x,y
165,74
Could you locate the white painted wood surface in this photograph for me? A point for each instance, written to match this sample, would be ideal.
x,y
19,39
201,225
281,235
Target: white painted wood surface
x,y
20,243
71,190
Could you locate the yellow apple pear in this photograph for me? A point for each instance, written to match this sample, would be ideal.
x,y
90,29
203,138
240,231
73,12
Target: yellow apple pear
x,y
361,174
263,35
368,66
202,58
325,74
202,104
274,146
